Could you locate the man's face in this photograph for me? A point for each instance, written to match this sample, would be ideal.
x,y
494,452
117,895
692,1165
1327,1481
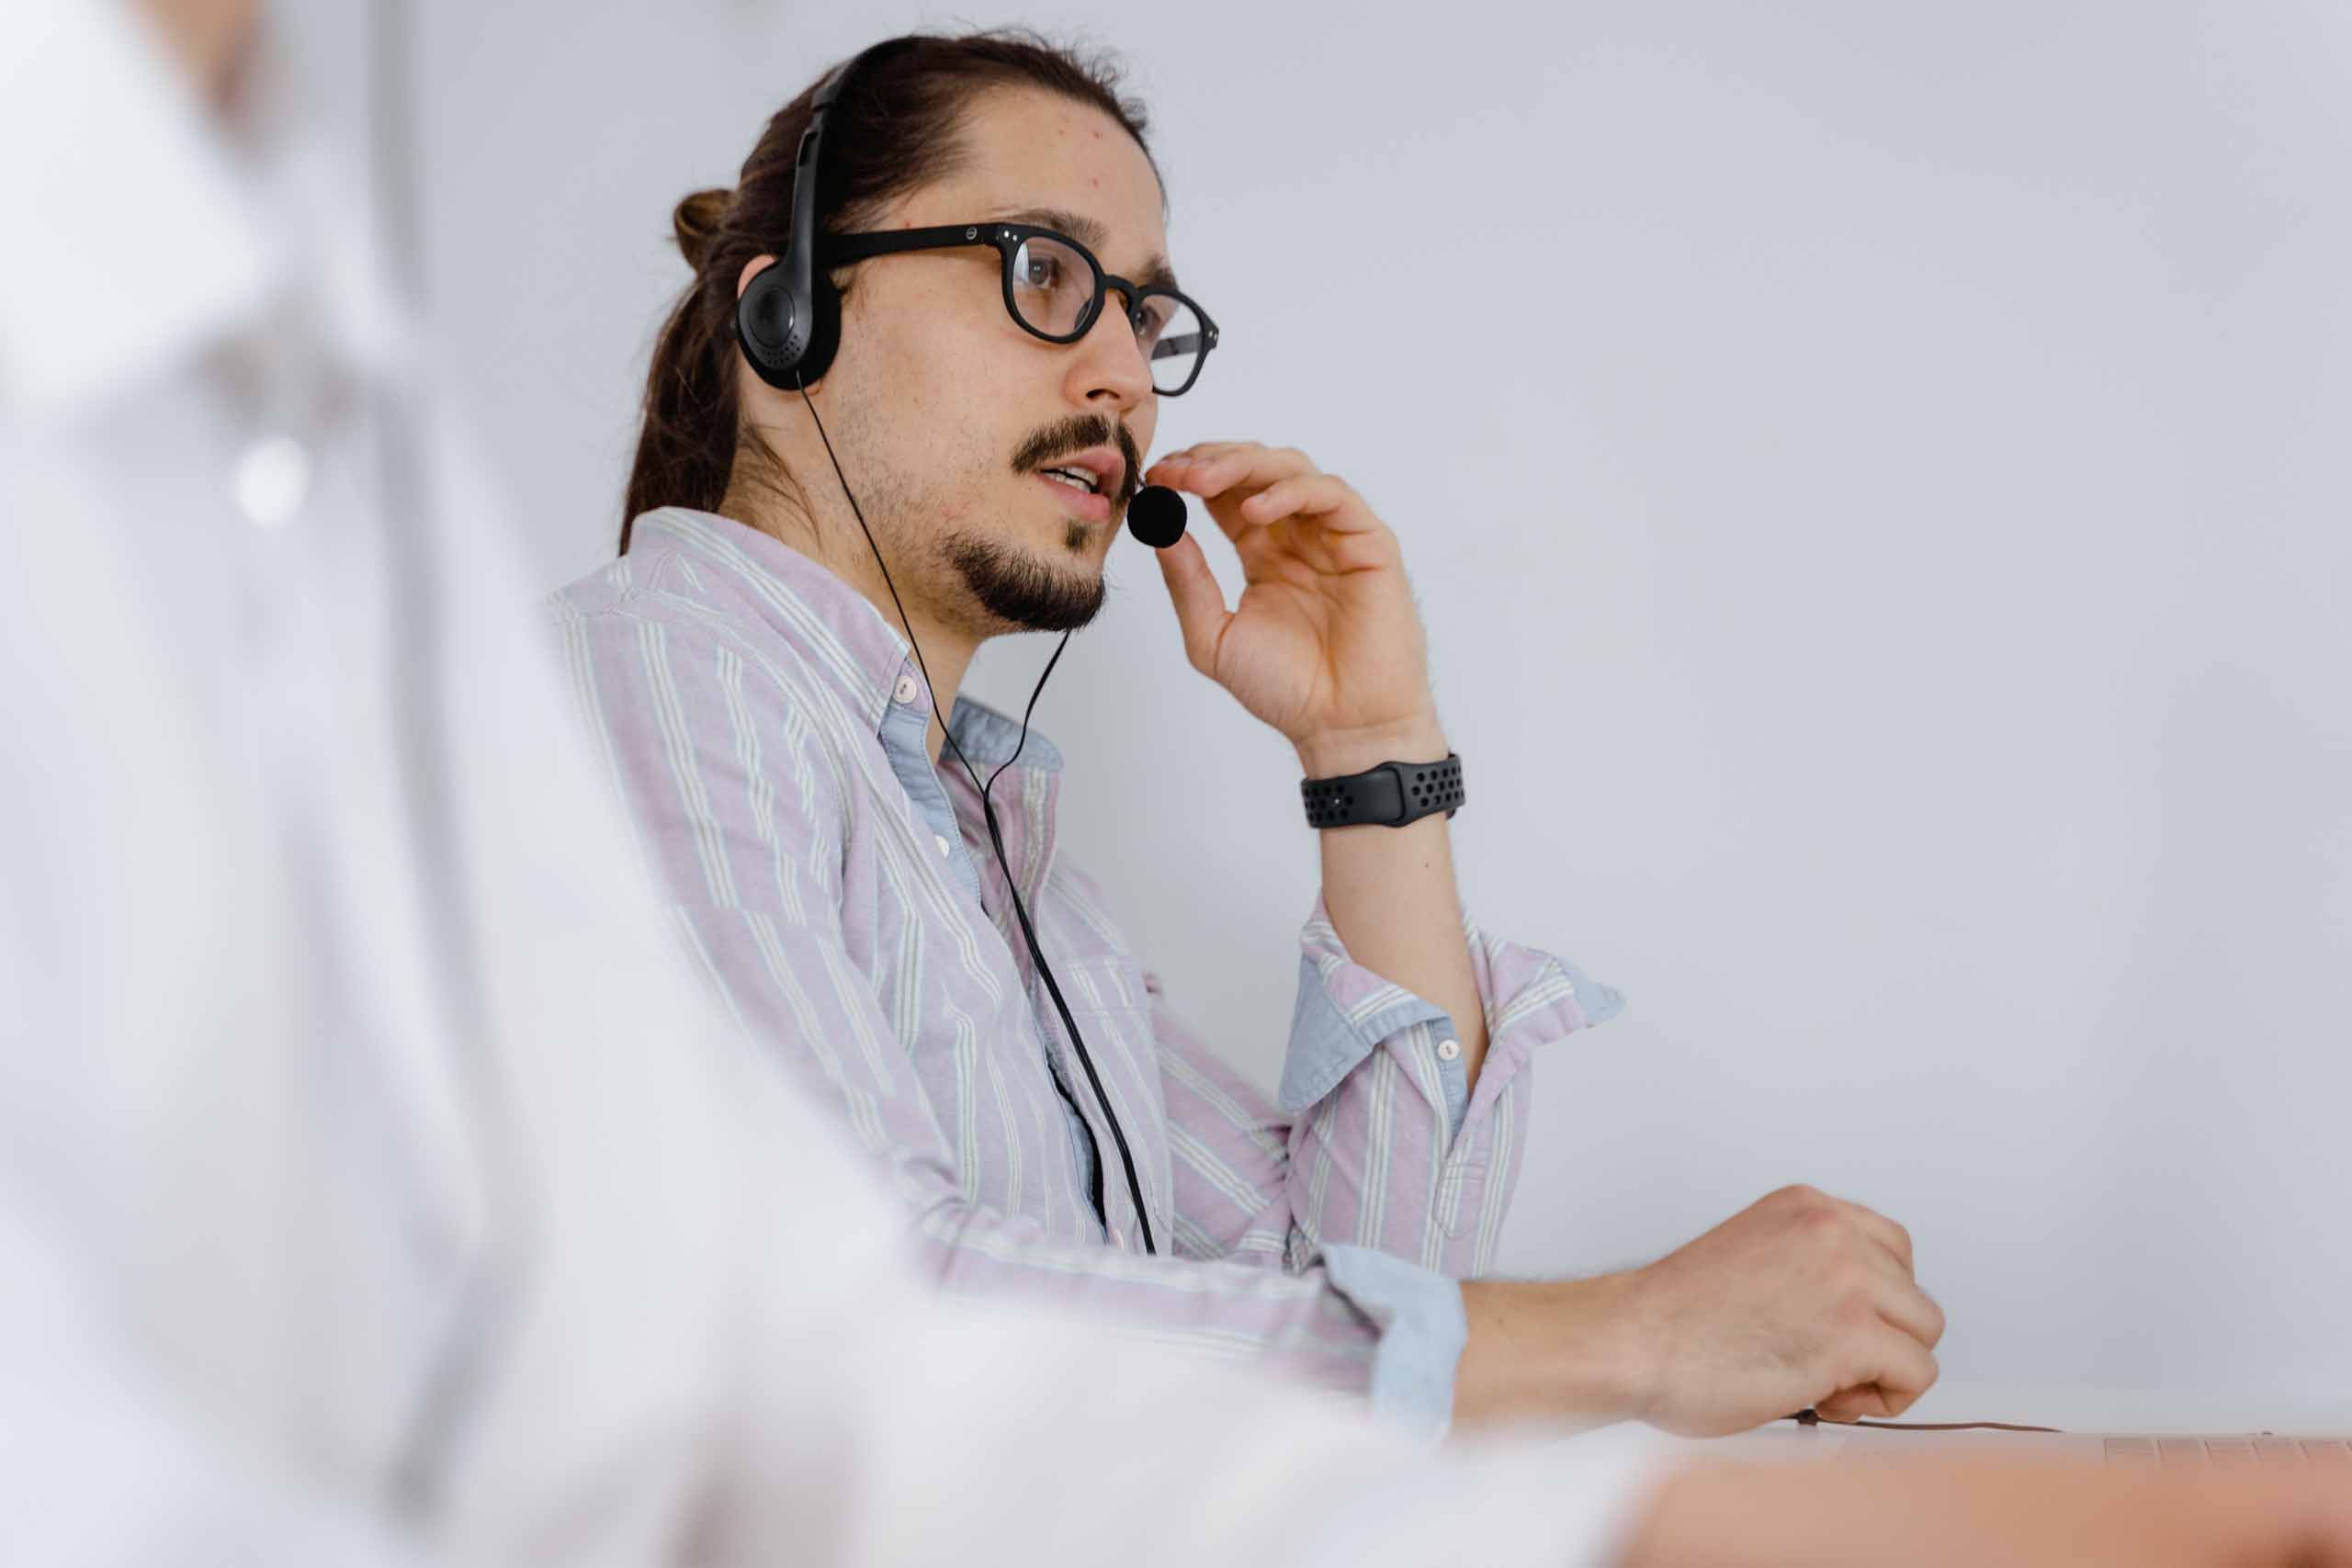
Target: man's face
x,y
950,411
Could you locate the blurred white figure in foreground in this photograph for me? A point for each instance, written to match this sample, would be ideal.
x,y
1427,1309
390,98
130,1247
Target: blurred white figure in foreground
x,y
361,1198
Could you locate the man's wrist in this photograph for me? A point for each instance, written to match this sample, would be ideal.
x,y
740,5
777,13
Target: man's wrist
x,y
1339,753
1564,1349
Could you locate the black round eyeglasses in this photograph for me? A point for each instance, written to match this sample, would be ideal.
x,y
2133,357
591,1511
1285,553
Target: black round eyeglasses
x,y
1053,288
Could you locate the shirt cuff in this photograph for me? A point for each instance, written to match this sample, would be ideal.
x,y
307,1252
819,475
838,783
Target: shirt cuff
x,y
1344,1012
1422,1331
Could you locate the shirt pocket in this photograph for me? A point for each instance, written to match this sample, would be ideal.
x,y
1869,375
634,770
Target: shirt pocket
x,y
1104,982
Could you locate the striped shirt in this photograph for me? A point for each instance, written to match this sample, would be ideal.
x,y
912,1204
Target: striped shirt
x,y
765,726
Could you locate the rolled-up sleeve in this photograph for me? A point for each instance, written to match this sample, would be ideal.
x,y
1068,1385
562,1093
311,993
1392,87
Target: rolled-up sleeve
x,y
1373,1162
1422,1332
1392,1146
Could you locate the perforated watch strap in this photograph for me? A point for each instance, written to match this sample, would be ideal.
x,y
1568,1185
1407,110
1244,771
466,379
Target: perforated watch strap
x,y
1389,795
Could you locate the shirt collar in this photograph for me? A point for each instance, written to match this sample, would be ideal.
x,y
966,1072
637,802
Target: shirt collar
x,y
850,642
989,736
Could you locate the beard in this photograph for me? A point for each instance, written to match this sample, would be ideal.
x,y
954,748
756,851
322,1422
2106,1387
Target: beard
x,y
1021,590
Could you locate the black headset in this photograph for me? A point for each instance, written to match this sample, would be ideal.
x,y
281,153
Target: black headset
x,y
788,322
789,318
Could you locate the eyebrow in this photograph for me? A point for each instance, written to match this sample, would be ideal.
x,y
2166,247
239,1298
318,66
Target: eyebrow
x,y
1156,273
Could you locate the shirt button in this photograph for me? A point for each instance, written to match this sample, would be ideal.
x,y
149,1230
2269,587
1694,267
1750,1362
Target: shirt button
x,y
1447,1050
906,689
940,840
272,477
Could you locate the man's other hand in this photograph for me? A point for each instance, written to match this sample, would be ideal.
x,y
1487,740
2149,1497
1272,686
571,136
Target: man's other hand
x,y
1799,1300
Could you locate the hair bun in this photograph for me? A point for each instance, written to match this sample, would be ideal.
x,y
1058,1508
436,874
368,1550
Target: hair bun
x,y
697,221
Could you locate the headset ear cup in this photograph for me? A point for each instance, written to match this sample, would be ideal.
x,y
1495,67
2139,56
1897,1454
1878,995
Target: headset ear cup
x,y
764,322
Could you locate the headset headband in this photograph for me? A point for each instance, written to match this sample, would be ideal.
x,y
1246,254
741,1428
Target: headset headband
x,y
778,318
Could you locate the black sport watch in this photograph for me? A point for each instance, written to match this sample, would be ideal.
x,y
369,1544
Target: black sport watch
x,y
1391,794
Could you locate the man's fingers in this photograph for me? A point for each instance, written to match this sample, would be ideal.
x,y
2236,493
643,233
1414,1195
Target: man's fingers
x,y
1907,1307
1906,1371
1863,1403
1916,1313
1309,493
1901,1301
1883,1231
1886,1376
1198,598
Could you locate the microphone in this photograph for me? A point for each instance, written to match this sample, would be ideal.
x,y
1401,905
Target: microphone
x,y
1155,515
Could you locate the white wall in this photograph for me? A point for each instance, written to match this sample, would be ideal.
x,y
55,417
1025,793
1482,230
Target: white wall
x,y
1876,478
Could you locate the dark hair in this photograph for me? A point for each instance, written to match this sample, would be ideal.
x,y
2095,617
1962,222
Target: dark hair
x,y
896,130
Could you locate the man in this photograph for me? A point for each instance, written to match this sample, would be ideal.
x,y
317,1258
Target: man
x,y
812,561
370,1188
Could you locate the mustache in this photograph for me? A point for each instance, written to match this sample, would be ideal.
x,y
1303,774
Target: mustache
x,y
1077,434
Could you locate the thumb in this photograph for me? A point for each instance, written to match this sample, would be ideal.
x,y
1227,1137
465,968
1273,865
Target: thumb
x,y
1862,1401
1875,1401
1199,601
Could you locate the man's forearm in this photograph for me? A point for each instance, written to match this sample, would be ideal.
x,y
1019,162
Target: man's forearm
x,y
1390,892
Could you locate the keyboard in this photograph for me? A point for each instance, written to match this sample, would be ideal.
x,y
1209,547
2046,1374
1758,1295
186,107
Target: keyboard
x,y
2261,1450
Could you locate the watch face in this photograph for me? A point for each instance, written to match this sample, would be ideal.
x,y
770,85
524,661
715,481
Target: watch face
x,y
1391,794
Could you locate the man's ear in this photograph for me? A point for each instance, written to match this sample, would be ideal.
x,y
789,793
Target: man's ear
x,y
750,270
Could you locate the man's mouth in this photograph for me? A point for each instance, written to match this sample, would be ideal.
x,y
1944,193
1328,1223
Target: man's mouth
x,y
1079,499
1080,479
